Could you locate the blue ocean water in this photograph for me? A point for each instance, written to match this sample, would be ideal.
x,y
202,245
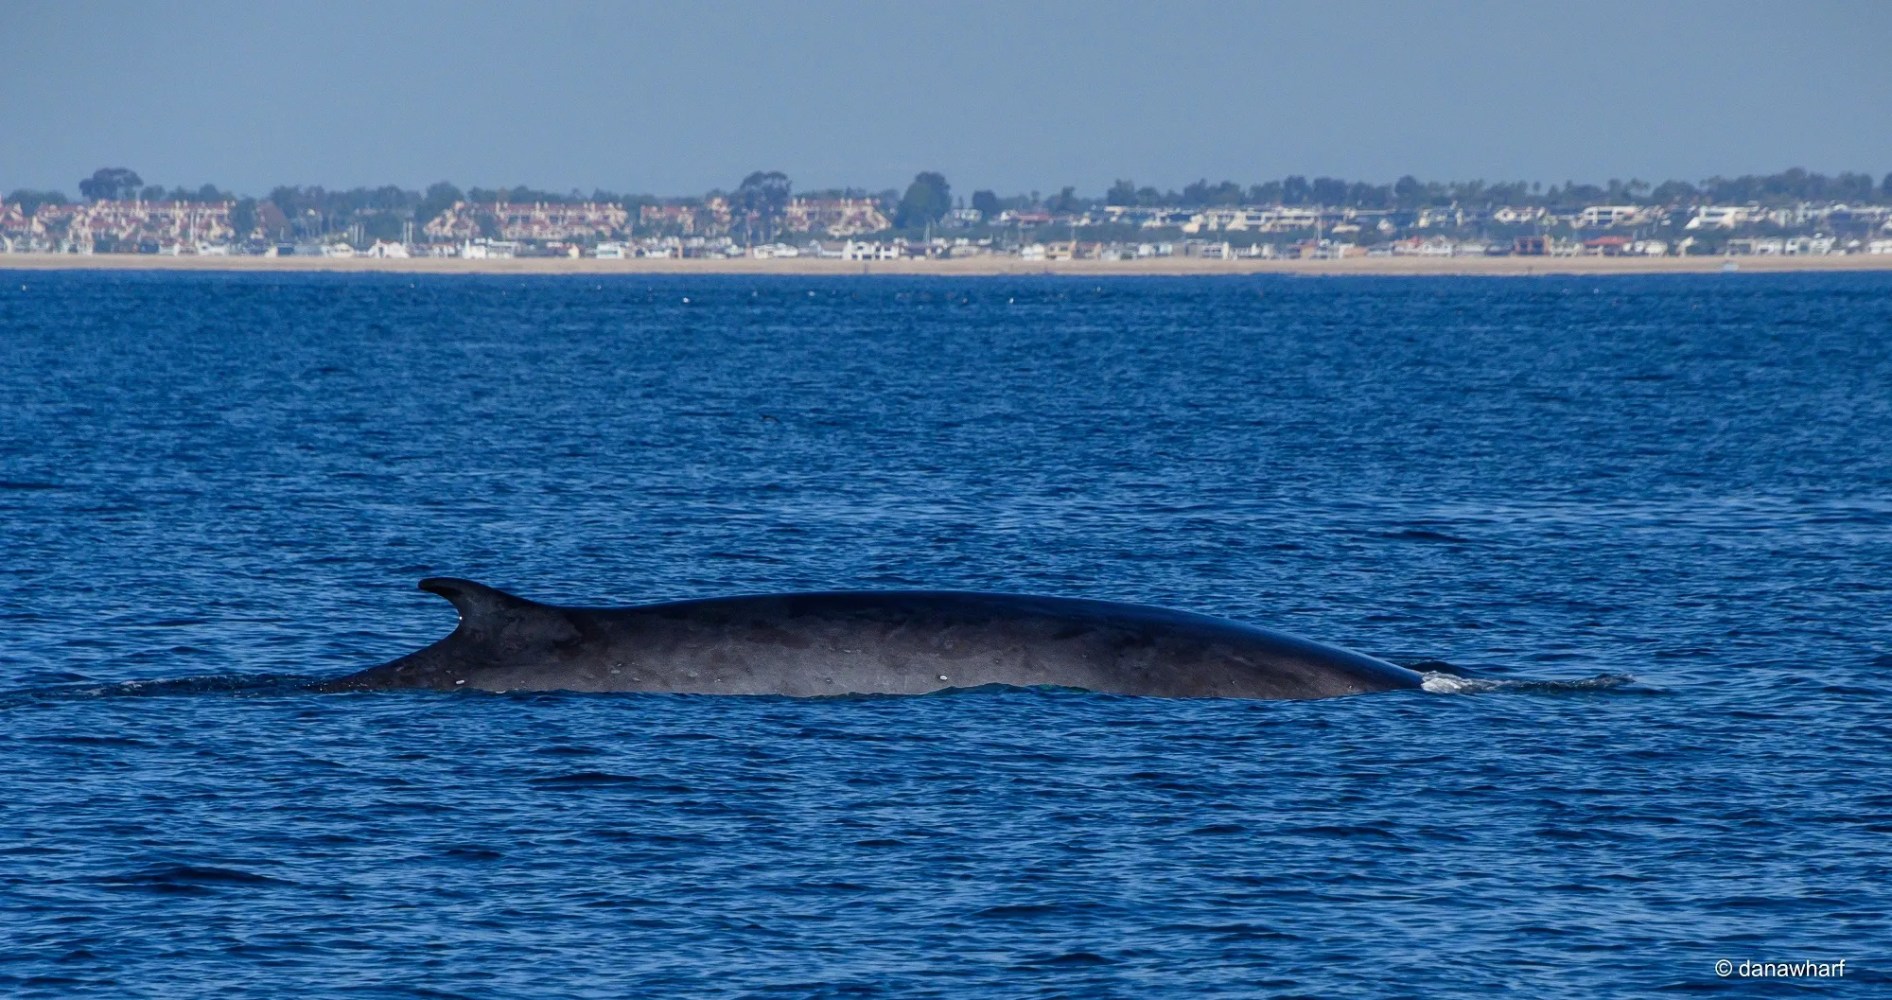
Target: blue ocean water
x,y
1652,515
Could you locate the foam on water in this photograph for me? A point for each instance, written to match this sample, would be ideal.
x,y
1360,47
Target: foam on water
x,y
1437,682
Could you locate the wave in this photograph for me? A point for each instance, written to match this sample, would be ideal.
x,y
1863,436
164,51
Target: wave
x,y
1440,682
259,684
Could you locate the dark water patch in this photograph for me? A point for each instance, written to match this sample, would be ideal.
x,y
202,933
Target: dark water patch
x,y
83,740
1425,535
190,880
1344,831
1066,960
472,853
565,750
606,779
1016,911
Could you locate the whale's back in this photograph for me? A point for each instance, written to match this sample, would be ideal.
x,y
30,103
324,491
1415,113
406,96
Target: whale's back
x,y
872,642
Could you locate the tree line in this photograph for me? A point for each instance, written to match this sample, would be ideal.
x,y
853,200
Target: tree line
x,y
759,203
1788,186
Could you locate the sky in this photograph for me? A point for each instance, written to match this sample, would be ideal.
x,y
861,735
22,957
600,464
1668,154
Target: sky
x,y
675,99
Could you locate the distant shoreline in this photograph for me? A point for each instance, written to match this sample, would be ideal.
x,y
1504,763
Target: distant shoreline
x,y
959,267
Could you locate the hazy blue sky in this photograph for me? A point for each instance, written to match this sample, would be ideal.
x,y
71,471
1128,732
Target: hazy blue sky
x,y
678,98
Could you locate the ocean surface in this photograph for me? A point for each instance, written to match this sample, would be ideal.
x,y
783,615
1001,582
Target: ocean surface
x,y
1647,520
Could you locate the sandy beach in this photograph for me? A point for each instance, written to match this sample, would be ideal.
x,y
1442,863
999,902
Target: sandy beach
x,y
964,267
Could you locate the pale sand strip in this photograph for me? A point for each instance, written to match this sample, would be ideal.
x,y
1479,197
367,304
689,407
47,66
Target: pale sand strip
x,y
969,267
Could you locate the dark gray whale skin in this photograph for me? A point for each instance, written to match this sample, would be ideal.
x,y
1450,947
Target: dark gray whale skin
x,y
867,642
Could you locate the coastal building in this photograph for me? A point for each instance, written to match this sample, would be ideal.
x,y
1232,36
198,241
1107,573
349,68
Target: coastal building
x,y
123,225
483,249
710,217
1722,216
1609,216
536,222
1431,246
1279,218
1517,216
837,217
860,250
667,218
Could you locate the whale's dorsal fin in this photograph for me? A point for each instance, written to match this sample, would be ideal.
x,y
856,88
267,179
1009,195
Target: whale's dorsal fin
x,y
486,612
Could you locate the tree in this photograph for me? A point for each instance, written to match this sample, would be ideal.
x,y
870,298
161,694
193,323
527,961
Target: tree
x,y
986,203
206,193
927,199
30,201
1264,194
243,217
1674,193
382,226
440,196
1851,187
1360,194
1066,202
1124,192
1407,191
1295,190
110,184
1329,191
762,198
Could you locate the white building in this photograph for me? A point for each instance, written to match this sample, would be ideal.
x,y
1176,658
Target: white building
x,y
488,250
1722,216
1606,216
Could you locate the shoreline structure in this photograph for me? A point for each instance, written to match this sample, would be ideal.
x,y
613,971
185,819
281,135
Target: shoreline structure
x,y
982,266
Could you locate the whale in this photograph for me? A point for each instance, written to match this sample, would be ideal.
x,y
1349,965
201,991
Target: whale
x,y
866,643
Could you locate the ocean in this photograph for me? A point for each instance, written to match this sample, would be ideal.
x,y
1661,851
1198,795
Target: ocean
x,y
1647,519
